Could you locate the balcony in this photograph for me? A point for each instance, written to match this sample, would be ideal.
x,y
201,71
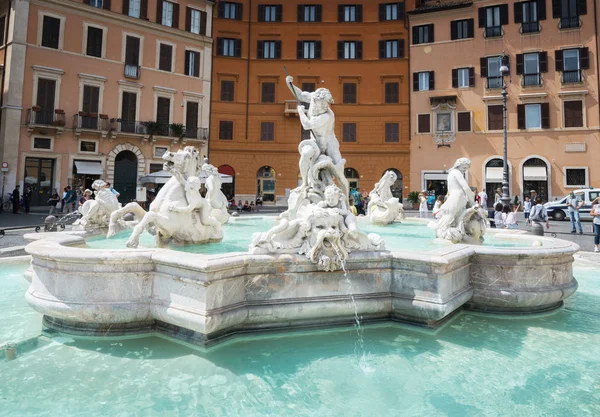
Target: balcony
x,y
195,133
38,118
569,22
91,123
530,27
134,127
494,82
493,31
531,79
132,71
290,108
572,76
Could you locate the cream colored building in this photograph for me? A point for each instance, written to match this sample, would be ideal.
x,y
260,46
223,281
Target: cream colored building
x,y
456,102
101,89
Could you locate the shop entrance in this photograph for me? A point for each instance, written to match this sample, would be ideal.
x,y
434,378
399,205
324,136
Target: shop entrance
x,y
39,175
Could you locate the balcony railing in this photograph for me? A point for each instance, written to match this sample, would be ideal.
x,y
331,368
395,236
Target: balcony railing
x,y
494,82
132,126
197,133
569,22
532,79
530,27
40,117
132,71
493,31
91,121
572,76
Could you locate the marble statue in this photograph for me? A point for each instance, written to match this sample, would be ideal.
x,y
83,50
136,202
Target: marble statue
x,y
215,197
179,212
460,219
318,222
384,208
96,213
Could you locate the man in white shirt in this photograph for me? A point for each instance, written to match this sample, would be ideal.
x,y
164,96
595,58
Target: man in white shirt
x,y
483,199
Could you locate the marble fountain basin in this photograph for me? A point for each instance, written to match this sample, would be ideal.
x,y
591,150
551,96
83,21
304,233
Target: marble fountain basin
x,y
205,298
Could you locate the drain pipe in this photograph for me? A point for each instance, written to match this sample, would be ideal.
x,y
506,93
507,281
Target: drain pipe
x,y
212,60
6,27
596,32
248,69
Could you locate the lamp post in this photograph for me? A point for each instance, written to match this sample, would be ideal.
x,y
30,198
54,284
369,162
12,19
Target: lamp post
x,y
505,187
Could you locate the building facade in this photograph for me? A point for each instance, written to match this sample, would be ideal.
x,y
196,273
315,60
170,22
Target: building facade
x,y
355,49
101,89
551,49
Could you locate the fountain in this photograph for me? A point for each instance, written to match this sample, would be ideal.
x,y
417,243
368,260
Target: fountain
x,y
295,273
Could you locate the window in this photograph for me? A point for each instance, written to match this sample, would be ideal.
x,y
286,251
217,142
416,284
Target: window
x,y
350,13
46,94
423,81
463,77
571,62
268,92
349,132
573,113
530,66
349,93
132,56
490,68
128,111
163,115
267,131
195,21
42,143
464,121
576,177
268,50
269,13
94,41
168,14
159,151
568,11
229,47
165,59
424,123
309,87
96,3
462,29
133,8
88,146
50,32
529,14
391,49
533,116
392,93
226,130
422,34
155,168
227,90
392,132
2,29
90,106
191,120
308,49
309,13
229,10
391,11
495,117
349,50
492,18
192,63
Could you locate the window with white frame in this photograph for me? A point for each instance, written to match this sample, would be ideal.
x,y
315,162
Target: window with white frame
x,y
391,11
42,143
576,176
134,8
269,49
195,17
192,63
159,151
97,3
167,13
463,77
424,81
51,31
392,49
308,50
230,10
270,14
310,13
88,146
350,50
533,116
228,47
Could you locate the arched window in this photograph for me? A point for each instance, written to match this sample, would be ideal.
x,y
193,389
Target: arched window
x,y
353,178
493,177
398,186
535,178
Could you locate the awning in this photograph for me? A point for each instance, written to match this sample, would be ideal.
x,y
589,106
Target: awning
x,y
89,167
535,174
161,177
494,174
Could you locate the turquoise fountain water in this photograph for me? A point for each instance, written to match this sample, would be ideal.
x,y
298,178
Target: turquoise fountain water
x,y
406,236
474,366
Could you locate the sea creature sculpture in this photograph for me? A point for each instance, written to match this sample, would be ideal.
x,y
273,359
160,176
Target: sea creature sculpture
x,y
384,208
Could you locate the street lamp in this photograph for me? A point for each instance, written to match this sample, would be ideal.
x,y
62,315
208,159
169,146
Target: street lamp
x,y
505,187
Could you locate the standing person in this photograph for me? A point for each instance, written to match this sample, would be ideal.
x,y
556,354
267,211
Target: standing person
x,y
54,199
64,201
423,210
498,216
509,217
87,195
595,212
527,209
27,198
539,215
70,199
574,203
498,196
16,196
533,197
483,197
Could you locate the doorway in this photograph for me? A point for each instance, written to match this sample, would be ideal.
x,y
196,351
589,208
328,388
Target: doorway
x,y
126,167
535,177
266,182
227,188
353,178
39,175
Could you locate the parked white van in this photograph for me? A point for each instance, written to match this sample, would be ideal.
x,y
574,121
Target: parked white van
x,y
557,210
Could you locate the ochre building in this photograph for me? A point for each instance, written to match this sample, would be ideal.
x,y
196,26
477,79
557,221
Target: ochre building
x,y
101,89
357,50
551,50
